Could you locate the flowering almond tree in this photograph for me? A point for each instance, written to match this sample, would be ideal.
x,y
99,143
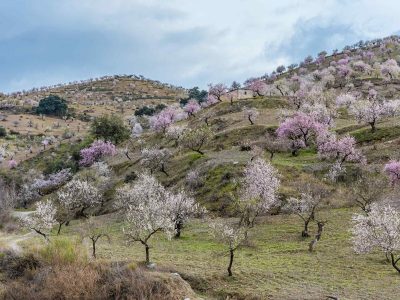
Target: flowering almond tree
x,y
78,196
340,150
97,151
258,193
232,236
307,204
217,91
251,114
42,219
153,159
380,229
182,206
392,169
164,119
52,182
299,130
192,107
147,210
371,109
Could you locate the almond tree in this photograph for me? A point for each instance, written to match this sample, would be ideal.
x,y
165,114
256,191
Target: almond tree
x,y
380,229
153,159
368,189
258,192
182,207
175,132
372,108
340,150
307,204
42,219
232,236
392,170
251,114
93,230
147,211
78,196
217,91
195,139
299,130
164,119
97,151
274,145
192,107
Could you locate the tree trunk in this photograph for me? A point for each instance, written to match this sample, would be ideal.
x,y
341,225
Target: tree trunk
x,y
231,253
178,228
317,236
304,233
251,122
206,121
59,228
147,254
271,155
198,151
373,127
163,169
94,247
394,262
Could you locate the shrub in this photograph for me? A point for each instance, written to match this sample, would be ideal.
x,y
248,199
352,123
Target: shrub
x,y
3,131
110,128
63,251
145,111
52,105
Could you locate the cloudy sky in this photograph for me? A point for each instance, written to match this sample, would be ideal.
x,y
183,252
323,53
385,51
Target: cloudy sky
x,y
184,42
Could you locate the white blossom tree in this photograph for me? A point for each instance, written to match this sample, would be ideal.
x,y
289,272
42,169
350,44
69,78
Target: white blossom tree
x,y
380,229
147,211
42,219
182,207
78,196
258,193
232,236
307,204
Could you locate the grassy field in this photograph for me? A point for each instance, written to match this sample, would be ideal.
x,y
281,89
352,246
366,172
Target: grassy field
x,y
275,264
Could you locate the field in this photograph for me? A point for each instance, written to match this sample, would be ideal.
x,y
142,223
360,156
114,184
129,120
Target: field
x,y
275,264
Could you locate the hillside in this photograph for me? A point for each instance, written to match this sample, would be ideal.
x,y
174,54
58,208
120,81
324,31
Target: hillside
x,y
324,130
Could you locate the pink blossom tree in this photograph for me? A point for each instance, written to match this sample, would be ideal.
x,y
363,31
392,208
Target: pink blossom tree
x,y
300,129
340,150
217,90
192,107
392,170
257,86
164,119
97,151
372,109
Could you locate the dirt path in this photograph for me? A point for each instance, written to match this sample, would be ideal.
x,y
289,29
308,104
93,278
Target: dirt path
x,y
11,241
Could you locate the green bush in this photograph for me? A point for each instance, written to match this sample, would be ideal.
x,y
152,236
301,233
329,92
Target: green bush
x,y
110,128
52,105
63,250
3,131
145,111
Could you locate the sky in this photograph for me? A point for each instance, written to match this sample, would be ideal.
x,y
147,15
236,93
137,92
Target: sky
x,y
183,42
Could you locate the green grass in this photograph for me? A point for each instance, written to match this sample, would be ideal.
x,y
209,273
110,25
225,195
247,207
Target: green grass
x,y
275,265
366,135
